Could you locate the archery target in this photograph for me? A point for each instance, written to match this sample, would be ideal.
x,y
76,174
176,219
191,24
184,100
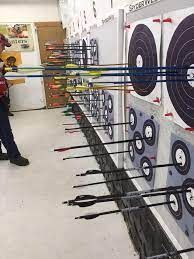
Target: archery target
x,y
143,40
147,172
108,113
93,52
178,48
144,129
182,174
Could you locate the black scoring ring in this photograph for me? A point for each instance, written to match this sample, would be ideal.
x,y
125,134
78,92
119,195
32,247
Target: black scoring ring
x,y
84,53
131,151
180,154
110,104
132,119
148,172
142,53
188,197
103,97
110,130
92,110
181,54
175,209
139,144
149,130
105,113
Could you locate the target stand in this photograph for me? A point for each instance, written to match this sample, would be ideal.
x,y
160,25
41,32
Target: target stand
x,y
182,175
143,153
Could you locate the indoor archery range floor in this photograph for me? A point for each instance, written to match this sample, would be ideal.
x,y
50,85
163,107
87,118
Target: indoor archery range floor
x,y
34,223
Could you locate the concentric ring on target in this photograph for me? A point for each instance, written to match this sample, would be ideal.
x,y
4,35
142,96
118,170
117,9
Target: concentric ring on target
x,y
105,114
181,54
180,154
175,207
132,119
149,132
110,104
188,197
110,130
142,53
147,172
139,143
131,151
92,110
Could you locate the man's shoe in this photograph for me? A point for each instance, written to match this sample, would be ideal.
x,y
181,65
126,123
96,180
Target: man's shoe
x,y
20,161
3,156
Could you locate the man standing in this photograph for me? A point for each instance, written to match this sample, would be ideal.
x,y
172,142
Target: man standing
x,y
6,135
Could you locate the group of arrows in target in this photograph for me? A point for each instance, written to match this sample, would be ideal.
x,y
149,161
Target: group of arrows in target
x,y
74,68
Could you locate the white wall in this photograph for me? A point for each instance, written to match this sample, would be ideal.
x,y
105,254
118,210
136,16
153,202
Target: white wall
x,y
30,95
29,11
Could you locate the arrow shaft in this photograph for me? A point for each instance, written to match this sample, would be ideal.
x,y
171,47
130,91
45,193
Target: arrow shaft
x,y
101,144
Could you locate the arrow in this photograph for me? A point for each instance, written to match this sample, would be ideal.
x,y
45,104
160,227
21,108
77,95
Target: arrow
x,y
132,209
98,126
94,145
97,155
90,200
125,179
92,172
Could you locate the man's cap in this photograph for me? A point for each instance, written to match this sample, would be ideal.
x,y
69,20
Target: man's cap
x,y
4,40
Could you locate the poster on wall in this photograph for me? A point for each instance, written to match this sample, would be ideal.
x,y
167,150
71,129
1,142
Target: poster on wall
x,y
19,35
11,59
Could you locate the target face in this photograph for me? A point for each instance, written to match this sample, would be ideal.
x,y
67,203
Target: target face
x,y
110,104
149,132
84,53
180,154
176,206
139,144
143,53
181,54
188,197
110,130
94,51
147,172
131,151
132,119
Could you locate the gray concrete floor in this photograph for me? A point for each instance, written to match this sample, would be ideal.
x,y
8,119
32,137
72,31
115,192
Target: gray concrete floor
x,y
33,222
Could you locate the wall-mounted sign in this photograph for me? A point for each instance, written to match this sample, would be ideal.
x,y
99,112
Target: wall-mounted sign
x,y
139,4
20,36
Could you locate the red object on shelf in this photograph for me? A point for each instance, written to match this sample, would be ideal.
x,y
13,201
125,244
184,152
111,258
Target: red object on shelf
x,y
157,20
189,129
169,114
127,26
157,100
168,20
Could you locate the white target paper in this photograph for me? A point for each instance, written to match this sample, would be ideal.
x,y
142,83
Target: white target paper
x,y
178,50
143,41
